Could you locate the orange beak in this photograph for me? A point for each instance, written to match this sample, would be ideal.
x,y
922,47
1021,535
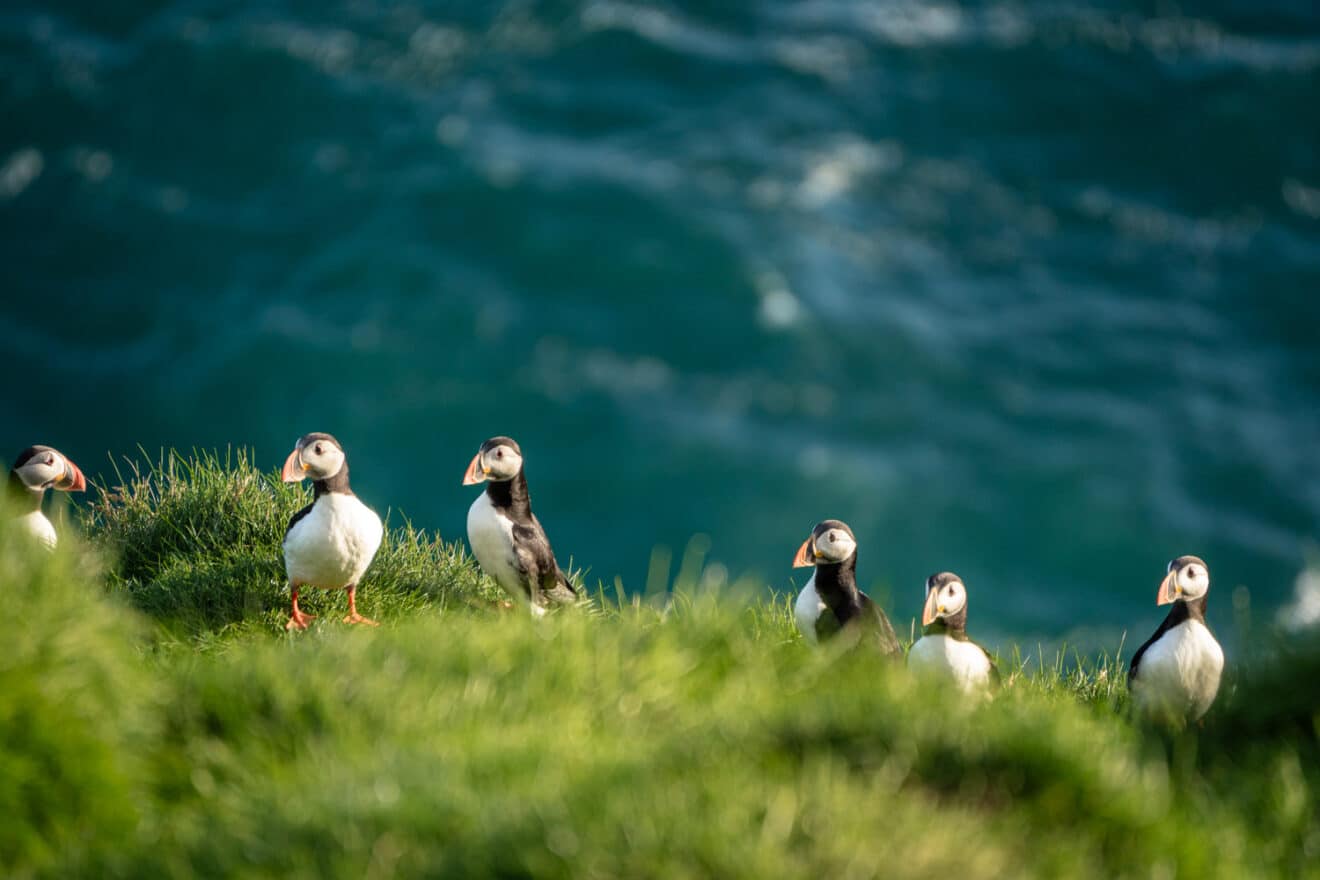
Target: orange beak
x,y
73,481
474,473
293,471
805,557
932,609
1168,589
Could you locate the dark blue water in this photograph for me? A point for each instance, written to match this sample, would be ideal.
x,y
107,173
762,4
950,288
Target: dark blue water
x,y
1030,291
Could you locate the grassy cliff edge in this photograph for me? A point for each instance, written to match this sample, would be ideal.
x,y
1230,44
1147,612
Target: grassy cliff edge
x,y
155,720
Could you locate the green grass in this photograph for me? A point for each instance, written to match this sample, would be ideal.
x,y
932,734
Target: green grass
x,y
156,720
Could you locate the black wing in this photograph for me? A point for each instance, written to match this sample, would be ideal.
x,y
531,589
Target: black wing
x,y
868,621
827,625
525,560
536,560
293,520
886,640
554,583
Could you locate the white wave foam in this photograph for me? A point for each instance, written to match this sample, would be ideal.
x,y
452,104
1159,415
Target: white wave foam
x,y
19,171
1304,610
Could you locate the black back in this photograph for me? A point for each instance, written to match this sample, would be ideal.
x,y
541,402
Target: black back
x,y
511,498
848,607
954,626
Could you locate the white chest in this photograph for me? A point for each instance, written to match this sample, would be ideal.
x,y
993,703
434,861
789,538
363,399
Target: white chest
x,y
962,661
38,527
332,546
807,610
1179,674
490,533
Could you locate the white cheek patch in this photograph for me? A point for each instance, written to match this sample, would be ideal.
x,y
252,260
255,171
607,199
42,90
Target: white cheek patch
x,y
1193,587
36,474
839,549
954,600
505,468
327,464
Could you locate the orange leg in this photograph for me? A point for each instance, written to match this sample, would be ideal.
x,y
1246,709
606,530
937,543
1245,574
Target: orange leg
x,y
353,616
297,619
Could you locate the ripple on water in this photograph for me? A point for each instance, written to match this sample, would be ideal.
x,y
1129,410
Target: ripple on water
x,y
958,273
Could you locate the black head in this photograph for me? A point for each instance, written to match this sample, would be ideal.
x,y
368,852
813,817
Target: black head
x,y
831,542
499,460
318,437
946,599
940,579
30,453
317,456
495,443
1186,579
39,468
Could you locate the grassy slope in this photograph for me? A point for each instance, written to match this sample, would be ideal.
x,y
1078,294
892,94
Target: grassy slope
x,y
193,736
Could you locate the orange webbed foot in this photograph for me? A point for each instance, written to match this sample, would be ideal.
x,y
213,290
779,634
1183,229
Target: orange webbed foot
x,y
299,620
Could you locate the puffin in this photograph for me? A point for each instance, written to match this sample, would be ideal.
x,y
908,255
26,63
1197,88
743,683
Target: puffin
x,y
329,543
944,648
506,537
1175,675
37,469
830,602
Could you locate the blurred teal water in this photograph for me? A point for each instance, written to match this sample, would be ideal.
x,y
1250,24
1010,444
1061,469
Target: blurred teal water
x,y
1030,291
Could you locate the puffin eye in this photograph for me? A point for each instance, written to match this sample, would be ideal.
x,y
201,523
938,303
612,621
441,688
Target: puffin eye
x,y
499,453
318,449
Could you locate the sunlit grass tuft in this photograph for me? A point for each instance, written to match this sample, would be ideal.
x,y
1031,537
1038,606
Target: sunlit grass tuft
x,y
196,543
155,719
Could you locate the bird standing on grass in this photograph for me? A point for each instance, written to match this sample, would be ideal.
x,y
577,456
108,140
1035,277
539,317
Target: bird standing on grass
x,y
944,648
830,602
330,542
1174,676
506,537
37,469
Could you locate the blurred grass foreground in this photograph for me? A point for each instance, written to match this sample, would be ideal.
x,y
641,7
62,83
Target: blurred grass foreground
x,y
155,720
